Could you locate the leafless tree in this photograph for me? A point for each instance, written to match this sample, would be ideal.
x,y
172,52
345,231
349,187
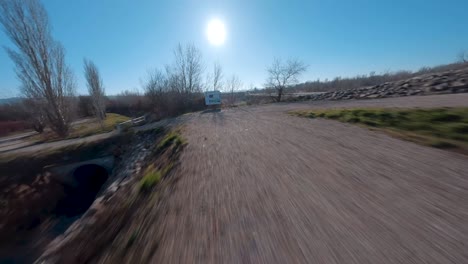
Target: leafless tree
x,y
281,75
85,106
95,89
155,86
36,116
39,60
216,80
233,85
185,75
463,56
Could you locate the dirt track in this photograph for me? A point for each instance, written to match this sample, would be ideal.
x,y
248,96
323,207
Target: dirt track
x,y
258,186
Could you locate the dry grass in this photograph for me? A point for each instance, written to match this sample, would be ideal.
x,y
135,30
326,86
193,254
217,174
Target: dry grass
x,y
439,127
112,120
85,129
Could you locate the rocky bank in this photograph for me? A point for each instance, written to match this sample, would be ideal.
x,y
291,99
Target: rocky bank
x,y
455,81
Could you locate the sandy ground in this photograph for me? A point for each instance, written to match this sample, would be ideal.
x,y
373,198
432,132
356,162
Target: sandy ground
x,y
259,186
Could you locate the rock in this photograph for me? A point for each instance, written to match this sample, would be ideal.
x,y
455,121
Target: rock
x,y
440,87
458,84
444,82
415,92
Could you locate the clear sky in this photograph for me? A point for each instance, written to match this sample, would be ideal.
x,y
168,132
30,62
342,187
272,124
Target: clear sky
x,y
334,37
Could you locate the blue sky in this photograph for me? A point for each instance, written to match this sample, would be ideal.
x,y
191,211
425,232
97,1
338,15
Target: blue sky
x,y
334,37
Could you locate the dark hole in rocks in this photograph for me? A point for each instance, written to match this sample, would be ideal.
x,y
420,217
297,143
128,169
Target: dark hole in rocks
x,y
79,197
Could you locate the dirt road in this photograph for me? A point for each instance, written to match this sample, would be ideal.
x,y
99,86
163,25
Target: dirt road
x,y
22,143
259,186
19,148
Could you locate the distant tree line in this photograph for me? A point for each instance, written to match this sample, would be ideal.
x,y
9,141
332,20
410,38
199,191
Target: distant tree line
x,y
179,86
48,84
176,89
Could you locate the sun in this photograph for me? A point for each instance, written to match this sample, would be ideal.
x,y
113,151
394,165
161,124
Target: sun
x,y
216,32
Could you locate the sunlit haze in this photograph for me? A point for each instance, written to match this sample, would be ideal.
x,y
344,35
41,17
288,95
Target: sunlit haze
x,y
216,32
335,38
234,131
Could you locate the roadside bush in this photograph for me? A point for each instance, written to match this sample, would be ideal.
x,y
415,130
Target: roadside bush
x,y
171,138
8,127
85,106
445,117
128,104
168,104
460,128
151,178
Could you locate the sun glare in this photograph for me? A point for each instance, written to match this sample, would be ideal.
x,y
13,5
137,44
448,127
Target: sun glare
x,y
216,32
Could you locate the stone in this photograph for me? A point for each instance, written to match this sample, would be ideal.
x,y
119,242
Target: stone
x,y
440,87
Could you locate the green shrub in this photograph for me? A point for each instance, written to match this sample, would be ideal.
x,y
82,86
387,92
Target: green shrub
x,y
333,115
172,137
416,126
369,123
445,117
369,114
459,128
442,144
351,119
151,178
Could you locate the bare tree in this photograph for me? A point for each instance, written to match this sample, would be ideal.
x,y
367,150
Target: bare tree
x,y
216,80
463,56
36,116
185,74
233,85
85,106
155,85
95,89
282,75
39,60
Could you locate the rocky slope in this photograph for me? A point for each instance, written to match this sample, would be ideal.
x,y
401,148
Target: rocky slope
x,y
455,81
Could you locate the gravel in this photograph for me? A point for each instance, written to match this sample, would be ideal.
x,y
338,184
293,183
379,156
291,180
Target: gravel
x,y
259,186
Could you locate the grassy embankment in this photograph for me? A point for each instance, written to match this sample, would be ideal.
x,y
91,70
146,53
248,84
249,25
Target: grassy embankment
x,y
95,127
86,129
152,175
439,127
150,191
